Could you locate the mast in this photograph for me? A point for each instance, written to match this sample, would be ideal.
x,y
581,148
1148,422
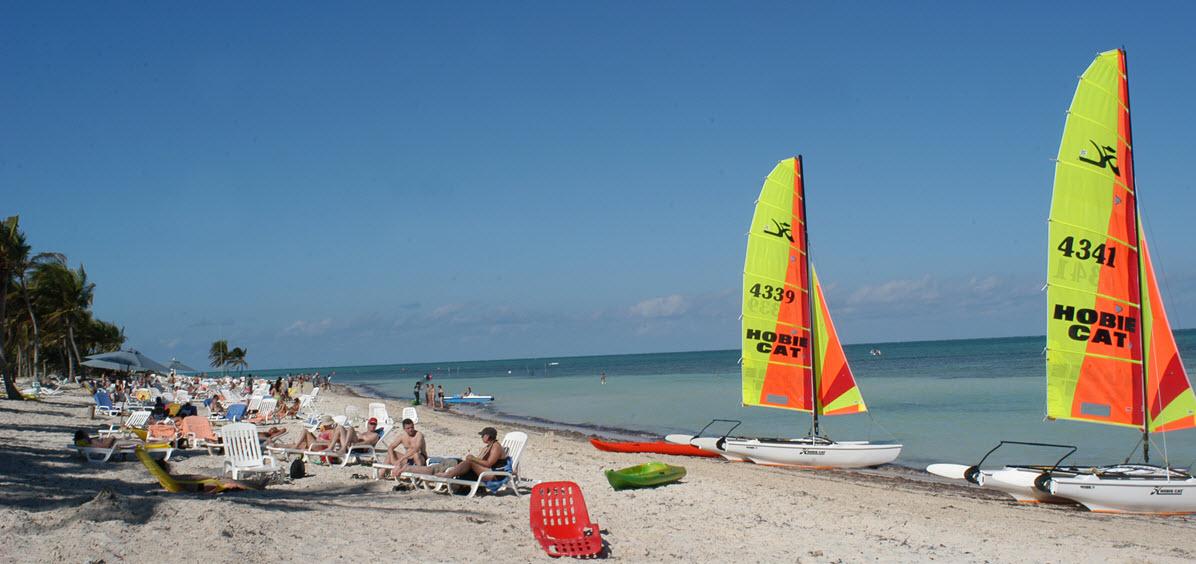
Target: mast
x,y
805,228
1129,141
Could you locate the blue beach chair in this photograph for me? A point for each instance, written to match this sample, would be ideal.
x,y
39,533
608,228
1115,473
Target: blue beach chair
x,y
104,404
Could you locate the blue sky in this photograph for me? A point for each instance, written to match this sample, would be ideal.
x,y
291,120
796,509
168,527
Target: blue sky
x,y
392,183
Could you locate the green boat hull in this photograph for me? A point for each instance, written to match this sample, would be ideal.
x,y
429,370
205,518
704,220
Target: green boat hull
x,y
647,475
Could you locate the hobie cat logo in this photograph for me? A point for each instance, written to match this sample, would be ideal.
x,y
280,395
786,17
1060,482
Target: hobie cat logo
x,y
1107,155
1167,491
783,230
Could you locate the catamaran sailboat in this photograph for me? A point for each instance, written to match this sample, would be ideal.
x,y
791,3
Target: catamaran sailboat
x,y
792,358
1111,355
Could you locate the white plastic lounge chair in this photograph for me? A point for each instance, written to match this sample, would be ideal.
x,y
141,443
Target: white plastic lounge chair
x,y
368,454
493,480
352,414
411,413
378,411
136,420
95,455
265,412
243,451
255,403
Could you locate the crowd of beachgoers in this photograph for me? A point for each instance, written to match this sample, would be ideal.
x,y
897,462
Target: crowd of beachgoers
x,y
348,503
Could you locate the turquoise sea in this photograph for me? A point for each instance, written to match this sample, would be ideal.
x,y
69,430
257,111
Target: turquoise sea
x,y
946,401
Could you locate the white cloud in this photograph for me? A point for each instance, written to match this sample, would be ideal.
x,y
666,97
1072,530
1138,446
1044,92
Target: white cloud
x,y
667,306
308,328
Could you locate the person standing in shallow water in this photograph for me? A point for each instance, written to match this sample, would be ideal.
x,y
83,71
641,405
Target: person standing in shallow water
x,y
602,379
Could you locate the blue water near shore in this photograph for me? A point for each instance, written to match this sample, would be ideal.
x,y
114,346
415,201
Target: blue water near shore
x,y
946,401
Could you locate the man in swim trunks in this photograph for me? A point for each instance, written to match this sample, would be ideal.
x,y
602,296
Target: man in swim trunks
x,y
415,449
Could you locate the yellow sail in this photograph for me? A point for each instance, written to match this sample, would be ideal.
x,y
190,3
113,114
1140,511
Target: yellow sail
x,y
777,364
1094,356
1111,355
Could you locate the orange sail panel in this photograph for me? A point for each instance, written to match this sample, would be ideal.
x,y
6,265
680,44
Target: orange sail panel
x,y
1094,351
1170,403
838,393
777,361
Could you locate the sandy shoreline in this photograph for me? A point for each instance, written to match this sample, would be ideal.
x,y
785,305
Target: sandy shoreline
x,y
52,508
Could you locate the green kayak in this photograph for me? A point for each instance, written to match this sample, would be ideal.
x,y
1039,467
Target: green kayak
x,y
647,475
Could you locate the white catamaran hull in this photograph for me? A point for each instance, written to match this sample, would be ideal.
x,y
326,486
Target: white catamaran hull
x,y
808,454
1128,495
1019,483
711,444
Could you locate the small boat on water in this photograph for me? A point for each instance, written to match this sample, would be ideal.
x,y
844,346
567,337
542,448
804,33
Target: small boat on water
x,y
648,475
792,357
655,447
1111,358
468,398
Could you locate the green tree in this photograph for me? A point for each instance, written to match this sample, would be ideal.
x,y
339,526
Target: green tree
x,y
236,359
13,253
65,296
218,354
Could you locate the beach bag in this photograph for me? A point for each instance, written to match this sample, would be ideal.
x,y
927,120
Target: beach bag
x,y
297,470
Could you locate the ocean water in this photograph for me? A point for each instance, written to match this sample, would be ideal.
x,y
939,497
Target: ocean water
x,y
946,401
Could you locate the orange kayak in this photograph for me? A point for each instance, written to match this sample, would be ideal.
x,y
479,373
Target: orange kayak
x,y
658,447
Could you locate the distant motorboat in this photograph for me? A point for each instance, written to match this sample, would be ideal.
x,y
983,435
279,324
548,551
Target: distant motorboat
x,y
468,398
875,352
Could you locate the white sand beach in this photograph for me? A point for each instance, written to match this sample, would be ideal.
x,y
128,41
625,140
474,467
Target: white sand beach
x,y
55,507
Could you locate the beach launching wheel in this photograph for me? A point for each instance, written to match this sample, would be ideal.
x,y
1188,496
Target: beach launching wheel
x,y
560,521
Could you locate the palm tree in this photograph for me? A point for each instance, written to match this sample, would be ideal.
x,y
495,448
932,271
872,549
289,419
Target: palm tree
x,y
219,354
102,336
236,358
22,270
12,254
66,297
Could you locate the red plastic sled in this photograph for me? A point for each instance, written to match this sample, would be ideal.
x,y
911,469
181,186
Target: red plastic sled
x,y
560,521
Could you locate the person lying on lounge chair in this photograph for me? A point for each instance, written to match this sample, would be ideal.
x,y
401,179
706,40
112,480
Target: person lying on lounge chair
x,y
270,436
415,450
322,439
292,411
348,436
490,456
82,439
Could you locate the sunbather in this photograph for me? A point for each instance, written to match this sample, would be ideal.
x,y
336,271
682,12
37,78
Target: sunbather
x,y
82,439
326,432
415,450
270,436
490,457
292,411
348,436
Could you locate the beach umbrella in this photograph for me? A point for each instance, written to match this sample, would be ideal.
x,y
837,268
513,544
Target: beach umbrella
x,y
177,366
125,361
